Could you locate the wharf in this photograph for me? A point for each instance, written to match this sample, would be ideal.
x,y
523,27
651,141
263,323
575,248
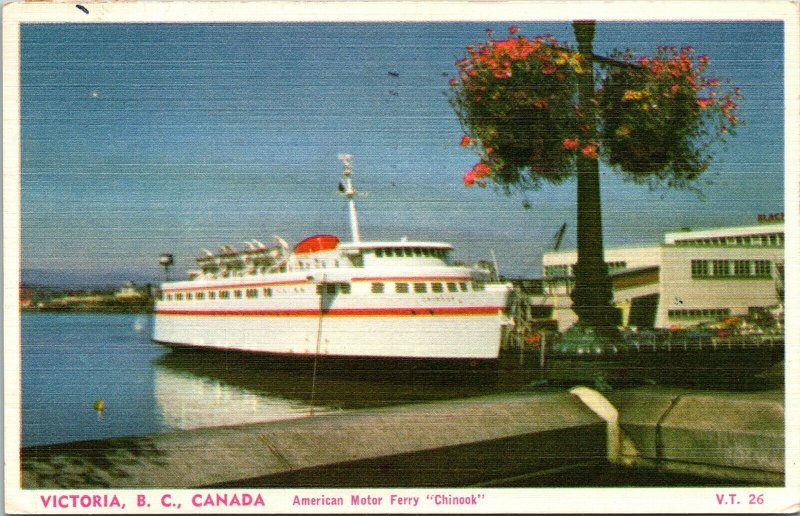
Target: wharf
x,y
510,439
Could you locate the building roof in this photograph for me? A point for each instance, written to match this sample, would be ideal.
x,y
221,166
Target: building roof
x,y
733,231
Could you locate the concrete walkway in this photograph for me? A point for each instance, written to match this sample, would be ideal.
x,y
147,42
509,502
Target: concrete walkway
x,y
482,438
476,441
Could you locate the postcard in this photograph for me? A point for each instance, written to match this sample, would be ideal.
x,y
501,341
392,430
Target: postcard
x,y
400,257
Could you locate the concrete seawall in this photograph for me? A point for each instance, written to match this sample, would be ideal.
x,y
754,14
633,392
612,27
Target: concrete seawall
x,y
476,441
734,436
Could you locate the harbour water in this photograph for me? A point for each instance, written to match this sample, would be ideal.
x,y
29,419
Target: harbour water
x,y
72,360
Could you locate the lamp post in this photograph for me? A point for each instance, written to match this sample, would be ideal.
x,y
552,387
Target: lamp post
x,y
166,261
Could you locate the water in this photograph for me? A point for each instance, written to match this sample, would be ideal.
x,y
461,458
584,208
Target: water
x,y
71,360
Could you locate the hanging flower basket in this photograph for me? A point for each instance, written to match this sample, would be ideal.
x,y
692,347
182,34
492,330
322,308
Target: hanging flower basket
x,y
655,119
660,115
515,99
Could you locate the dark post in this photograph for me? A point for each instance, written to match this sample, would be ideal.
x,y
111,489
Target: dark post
x,y
592,294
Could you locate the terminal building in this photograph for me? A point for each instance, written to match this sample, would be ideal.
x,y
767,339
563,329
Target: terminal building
x,y
693,277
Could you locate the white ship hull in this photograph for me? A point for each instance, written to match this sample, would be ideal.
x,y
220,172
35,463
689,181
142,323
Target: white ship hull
x,y
421,336
459,326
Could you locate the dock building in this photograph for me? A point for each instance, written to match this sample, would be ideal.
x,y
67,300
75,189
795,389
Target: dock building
x,y
693,277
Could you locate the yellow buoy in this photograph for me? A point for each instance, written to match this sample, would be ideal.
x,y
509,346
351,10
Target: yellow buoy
x,y
99,405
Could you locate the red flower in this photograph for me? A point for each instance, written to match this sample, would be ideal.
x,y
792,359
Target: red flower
x,y
465,140
590,151
570,143
713,82
548,69
480,170
513,29
704,103
469,178
452,82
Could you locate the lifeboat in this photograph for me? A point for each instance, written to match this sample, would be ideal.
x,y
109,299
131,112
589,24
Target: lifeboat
x,y
316,244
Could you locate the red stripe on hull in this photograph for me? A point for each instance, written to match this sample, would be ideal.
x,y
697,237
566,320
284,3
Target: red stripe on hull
x,y
414,278
347,312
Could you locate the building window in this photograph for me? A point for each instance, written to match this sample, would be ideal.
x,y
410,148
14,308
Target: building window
x,y
330,288
722,268
224,294
377,288
401,288
379,253
201,295
212,295
179,297
452,287
344,288
463,286
437,288
420,288
700,268
268,292
189,296
251,292
763,268
237,294
741,268
169,297
389,252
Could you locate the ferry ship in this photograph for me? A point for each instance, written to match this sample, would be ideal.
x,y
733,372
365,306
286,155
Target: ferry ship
x,y
359,299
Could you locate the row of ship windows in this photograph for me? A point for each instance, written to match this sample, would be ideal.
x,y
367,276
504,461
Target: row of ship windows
x,y
400,252
731,269
698,313
327,288
770,240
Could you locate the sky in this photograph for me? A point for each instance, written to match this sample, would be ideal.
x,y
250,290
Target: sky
x,y
142,139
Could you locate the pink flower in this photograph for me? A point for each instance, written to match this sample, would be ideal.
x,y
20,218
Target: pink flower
x,y
453,82
570,143
465,140
713,82
513,29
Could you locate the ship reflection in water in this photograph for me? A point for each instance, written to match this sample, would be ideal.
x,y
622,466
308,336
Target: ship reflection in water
x,y
195,389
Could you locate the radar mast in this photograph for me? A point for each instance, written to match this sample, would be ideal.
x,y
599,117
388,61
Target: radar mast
x,y
347,189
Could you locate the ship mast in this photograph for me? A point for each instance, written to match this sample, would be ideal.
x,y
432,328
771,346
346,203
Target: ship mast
x,y
346,188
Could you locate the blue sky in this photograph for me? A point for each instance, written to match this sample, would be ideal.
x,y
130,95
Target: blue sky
x,y
139,139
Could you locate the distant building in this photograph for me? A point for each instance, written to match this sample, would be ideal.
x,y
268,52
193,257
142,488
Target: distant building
x,y
695,276
129,292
